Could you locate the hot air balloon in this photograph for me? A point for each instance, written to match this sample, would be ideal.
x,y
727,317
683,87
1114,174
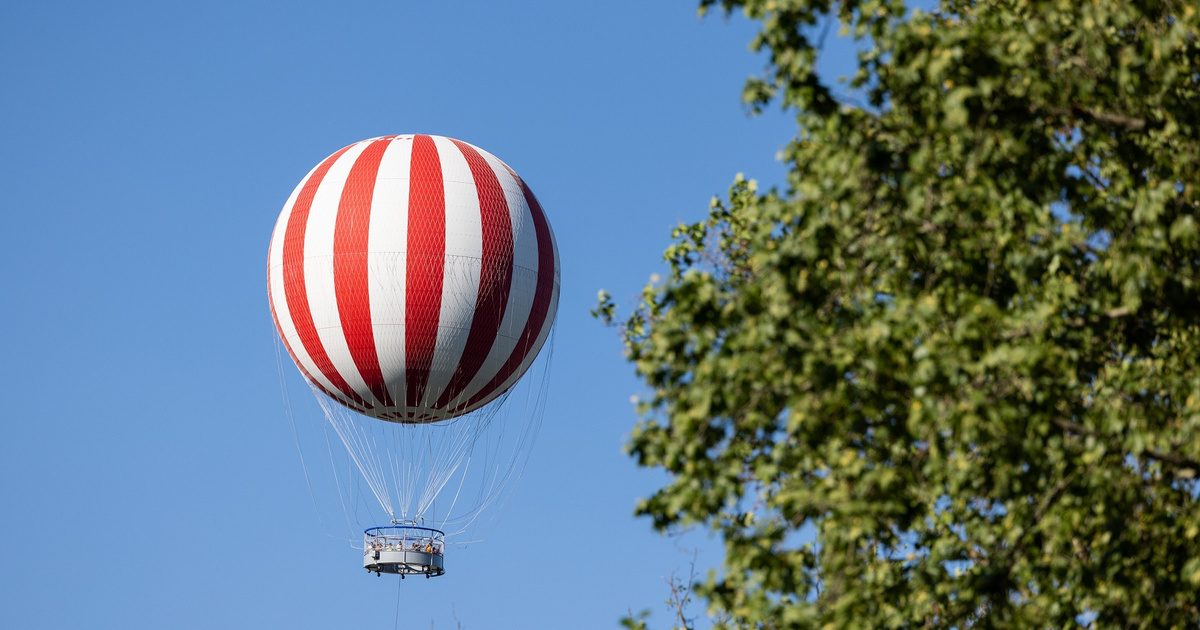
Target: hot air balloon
x,y
413,279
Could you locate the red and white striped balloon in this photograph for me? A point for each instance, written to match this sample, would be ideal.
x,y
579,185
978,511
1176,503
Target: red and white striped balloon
x,y
413,278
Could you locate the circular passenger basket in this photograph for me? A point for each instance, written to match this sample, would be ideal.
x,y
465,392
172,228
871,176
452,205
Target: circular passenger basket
x,y
404,550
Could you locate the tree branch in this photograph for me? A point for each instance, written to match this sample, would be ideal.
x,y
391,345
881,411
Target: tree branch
x,y
1185,467
1132,123
1125,121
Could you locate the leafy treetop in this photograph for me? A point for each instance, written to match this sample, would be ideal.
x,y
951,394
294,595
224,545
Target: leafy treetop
x,y
948,375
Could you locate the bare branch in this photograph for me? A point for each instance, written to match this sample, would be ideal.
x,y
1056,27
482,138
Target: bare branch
x,y
681,595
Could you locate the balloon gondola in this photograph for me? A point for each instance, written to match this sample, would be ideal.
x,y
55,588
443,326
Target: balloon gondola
x,y
404,549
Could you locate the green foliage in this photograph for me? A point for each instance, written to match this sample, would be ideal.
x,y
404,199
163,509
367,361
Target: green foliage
x,y
948,376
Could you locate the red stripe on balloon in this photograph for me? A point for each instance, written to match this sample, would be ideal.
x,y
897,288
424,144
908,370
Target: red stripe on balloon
x,y
295,290
541,297
495,279
291,353
351,286
426,259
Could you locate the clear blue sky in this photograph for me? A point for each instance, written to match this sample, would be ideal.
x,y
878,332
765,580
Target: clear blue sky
x,y
145,457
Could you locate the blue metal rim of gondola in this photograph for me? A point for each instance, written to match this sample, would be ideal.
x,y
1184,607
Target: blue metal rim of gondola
x,y
439,534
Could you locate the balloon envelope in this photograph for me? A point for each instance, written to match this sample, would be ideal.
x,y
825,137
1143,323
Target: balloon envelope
x,y
413,278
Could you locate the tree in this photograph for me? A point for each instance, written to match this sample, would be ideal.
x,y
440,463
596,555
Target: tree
x,y
948,375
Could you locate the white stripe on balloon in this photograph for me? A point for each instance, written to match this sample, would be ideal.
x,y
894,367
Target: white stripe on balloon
x,y
387,263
